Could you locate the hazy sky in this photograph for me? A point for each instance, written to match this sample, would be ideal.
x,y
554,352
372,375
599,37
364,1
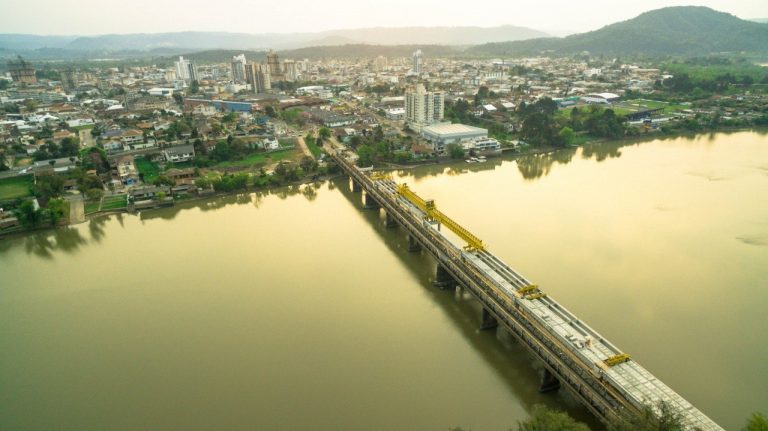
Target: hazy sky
x,y
267,16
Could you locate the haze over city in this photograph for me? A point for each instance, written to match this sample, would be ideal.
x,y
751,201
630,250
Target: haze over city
x,y
87,17
355,215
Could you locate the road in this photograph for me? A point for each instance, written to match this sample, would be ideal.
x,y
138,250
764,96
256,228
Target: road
x,y
86,139
76,209
304,147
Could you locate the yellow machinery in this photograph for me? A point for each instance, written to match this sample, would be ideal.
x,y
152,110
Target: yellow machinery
x,y
433,214
378,176
616,359
528,289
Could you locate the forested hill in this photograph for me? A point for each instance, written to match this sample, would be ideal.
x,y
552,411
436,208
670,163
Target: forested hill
x,y
684,30
370,51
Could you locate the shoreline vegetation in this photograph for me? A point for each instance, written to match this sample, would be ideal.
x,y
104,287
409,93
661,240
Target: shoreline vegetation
x,y
509,153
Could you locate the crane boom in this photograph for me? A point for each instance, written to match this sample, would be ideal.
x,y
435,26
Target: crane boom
x,y
428,206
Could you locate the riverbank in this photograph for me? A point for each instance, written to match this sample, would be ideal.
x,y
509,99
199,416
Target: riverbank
x,y
531,151
508,153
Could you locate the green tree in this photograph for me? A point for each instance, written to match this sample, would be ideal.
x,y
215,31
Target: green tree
x,y
57,210
308,164
93,194
567,135
28,215
3,162
163,180
544,419
758,422
48,186
455,151
660,418
324,133
365,154
194,87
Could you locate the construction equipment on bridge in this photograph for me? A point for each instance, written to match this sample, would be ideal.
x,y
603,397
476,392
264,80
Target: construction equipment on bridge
x,y
527,289
616,359
428,206
536,296
379,176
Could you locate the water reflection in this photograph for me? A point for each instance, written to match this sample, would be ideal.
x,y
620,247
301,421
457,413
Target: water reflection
x,y
66,239
535,166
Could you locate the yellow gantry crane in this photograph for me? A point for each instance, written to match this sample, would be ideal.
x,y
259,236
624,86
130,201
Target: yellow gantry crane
x,y
433,214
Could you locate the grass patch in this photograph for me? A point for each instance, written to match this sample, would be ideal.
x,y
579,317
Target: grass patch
x,y
91,206
258,159
313,147
150,170
16,187
643,104
117,203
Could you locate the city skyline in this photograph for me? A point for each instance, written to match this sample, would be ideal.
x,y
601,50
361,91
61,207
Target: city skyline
x,y
239,16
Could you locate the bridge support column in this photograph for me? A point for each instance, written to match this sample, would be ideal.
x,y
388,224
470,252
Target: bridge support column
x,y
443,279
356,187
549,382
370,203
487,321
413,244
390,221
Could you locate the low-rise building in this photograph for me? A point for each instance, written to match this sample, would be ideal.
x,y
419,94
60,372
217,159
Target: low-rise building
x,y
179,153
444,134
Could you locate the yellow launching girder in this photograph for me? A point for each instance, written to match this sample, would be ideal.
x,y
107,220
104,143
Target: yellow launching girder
x,y
527,289
616,359
378,176
433,214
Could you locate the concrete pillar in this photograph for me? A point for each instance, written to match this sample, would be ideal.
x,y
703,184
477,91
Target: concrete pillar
x,y
487,321
443,279
549,382
370,203
390,221
413,244
356,187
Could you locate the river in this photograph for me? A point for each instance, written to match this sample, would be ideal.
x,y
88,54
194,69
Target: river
x,y
296,309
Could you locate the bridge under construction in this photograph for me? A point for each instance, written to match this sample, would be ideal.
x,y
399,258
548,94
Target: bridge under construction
x,y
604,378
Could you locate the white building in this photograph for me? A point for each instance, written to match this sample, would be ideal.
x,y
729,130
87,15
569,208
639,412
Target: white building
x,y
238,68
600,98
446,133
418,62
291,72
185,70
423,107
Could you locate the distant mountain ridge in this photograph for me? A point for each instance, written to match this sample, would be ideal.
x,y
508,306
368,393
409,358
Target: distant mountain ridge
x,y
193,40
681,30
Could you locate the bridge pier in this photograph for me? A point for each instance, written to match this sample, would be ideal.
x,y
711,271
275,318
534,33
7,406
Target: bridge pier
x,y
370,203
487,321
390,221
356,187
413,244
443,278
549,382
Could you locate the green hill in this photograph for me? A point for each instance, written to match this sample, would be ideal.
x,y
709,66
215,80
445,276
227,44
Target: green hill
x,y
684,30
370,51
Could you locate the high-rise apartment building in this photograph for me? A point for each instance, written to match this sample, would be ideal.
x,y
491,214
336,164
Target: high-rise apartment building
x,y
423,107
274,67
380,63
418,62
185,70
238,68
291,72
22,72
256,76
